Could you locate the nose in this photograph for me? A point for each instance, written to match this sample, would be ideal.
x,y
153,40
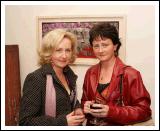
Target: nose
x,y
100,49
64,54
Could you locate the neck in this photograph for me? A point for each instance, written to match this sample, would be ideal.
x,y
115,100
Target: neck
x,y
58,70
106,70
105,65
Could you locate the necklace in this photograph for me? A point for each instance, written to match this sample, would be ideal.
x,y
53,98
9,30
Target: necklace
x,y
101,77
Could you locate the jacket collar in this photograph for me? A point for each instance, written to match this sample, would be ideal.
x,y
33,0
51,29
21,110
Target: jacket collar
x,y
117,70
118,67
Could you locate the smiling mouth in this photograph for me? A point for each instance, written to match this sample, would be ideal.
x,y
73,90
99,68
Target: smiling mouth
x,y
63,61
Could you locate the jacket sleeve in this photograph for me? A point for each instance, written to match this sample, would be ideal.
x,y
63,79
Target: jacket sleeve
x,y
31,105
76,101
85,87
136,101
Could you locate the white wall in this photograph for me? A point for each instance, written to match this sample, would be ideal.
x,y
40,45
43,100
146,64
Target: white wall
x,y
20,28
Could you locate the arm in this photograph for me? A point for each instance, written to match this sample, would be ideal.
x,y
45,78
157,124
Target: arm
x,y
136,102
32,109
84,94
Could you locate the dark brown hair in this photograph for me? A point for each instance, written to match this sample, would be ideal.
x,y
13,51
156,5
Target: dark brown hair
x,y
105,30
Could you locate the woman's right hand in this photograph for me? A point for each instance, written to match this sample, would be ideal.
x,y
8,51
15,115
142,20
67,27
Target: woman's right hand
x,y
87,105
74,120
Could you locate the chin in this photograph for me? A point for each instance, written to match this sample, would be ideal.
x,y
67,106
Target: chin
x,y
107,58
103,59
62,65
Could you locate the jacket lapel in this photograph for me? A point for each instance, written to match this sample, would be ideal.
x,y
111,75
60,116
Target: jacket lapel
x,y
95,78
117,71
70,75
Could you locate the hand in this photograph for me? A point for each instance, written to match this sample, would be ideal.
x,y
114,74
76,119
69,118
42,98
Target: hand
x,y
87,106
101,112
74,120
78,111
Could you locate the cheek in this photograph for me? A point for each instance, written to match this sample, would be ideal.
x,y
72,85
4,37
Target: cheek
x,y
110,50
95,52
54,58
69,55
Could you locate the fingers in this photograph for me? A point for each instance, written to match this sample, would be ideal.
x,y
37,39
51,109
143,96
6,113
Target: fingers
x,y
87,106
78,111
97,106
77,120
98,110
71,114
102,112
88,103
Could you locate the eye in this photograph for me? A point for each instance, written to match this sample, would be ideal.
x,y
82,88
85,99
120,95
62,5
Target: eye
x,y
104,45
68,50
59,50
95,46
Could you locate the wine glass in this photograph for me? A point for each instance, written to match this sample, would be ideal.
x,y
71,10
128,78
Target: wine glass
x,y
95,120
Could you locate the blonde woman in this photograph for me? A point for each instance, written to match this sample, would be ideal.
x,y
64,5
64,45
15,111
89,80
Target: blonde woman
x,y
49,93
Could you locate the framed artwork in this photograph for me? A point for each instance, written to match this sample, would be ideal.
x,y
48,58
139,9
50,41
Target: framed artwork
x,y
80,26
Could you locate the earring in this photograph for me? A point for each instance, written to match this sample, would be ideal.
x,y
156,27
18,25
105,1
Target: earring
x,y
115,53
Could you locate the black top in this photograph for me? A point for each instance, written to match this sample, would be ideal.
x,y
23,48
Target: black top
x,y
101,87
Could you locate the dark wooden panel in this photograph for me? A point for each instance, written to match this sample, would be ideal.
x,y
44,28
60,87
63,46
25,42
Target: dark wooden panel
x,y
12,84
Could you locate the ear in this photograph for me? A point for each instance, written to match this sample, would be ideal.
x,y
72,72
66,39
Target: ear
x,y
115,47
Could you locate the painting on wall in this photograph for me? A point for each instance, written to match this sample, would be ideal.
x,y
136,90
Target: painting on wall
x,y
80,26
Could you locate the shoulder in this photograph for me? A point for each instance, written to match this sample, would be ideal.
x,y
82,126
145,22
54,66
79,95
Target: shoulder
x,y
131,72
35,75
93,68
34,82
41,71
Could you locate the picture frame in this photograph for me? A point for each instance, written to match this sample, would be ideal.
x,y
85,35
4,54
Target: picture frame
x,y
80,26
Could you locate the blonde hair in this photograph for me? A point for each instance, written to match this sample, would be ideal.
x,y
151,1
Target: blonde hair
x,y
51,41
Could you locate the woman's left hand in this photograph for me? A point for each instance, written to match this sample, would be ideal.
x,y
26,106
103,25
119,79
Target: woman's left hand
x,y
78,111
101,112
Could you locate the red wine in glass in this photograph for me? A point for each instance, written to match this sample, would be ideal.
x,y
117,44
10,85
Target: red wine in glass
x,y
94,121
92,107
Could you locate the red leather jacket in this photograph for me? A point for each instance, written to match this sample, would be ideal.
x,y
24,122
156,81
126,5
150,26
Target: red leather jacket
x,y
136,99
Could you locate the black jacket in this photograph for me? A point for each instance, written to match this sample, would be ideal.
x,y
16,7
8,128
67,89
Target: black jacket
x,y
32,108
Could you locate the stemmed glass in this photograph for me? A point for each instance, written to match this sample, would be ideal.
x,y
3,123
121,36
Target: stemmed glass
x,y
95,120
